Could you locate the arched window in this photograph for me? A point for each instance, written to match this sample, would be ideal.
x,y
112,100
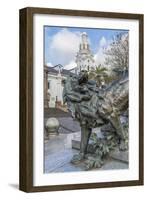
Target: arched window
x,y
49,85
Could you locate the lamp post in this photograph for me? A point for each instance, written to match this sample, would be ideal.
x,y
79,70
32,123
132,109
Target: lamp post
x,y
46,95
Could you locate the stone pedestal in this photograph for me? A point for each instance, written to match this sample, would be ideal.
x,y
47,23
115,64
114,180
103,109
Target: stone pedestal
x,y
58,154
118,155
52,126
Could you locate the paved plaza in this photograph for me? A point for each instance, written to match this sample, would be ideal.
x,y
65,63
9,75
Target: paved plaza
x,y
58,149
58,153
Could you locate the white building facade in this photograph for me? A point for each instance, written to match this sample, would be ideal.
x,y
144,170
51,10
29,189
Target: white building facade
x,y
84,58
55,86
84,61
55,89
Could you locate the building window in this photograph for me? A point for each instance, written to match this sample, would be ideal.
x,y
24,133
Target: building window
x,y
49,84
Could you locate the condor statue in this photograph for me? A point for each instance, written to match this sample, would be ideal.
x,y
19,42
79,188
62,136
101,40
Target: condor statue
x,y
93,107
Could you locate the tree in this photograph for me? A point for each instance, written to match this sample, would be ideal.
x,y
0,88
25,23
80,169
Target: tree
x,y
117,54
99,74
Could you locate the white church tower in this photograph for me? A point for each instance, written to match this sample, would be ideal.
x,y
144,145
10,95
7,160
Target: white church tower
x,y
84,58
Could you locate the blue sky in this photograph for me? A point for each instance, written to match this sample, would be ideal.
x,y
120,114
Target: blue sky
x,y
61,43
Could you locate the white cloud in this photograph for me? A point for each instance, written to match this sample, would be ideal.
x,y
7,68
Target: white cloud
x,y
64,46
70,65
49,64
100,55
103,42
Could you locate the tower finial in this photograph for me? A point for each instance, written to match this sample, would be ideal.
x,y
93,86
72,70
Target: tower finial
x,y
84,38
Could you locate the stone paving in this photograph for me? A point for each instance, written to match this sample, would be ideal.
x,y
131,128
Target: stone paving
x,y
55,112
58,149
67,125
58,153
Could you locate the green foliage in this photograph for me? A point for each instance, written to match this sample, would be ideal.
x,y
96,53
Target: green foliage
x,y
97,74
101,74
102,147
93,162
100,70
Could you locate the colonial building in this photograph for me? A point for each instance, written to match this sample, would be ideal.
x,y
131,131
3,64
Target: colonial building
x,y
53,76
54,86
84,57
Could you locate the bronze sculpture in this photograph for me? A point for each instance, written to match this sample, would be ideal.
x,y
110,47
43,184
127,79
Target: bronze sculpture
x,y
94,107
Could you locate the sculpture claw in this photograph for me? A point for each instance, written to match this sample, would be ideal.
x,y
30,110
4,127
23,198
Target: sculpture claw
x,y
77,158
123,146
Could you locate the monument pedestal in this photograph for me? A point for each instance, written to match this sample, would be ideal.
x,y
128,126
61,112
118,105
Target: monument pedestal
x,y
122,156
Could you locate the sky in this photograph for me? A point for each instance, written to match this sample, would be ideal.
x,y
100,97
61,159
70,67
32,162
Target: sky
x,y
61,44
